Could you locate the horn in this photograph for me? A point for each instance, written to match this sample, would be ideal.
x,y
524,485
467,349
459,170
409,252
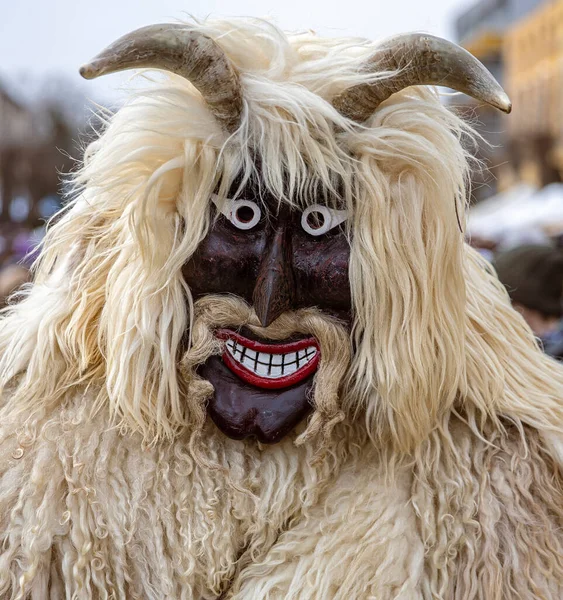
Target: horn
x,y
420,59
176,48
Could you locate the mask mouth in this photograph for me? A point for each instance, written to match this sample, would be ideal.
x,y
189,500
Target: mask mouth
x,y
267,365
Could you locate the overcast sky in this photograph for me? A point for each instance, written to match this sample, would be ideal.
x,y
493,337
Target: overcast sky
x,y
43,37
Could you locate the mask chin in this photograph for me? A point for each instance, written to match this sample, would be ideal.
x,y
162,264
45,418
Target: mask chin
x,y
241,410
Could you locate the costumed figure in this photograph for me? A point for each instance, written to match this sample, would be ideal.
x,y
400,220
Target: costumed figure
x,y
258,360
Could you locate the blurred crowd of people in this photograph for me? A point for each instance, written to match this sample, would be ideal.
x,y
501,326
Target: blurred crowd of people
x,y
520,231
533,277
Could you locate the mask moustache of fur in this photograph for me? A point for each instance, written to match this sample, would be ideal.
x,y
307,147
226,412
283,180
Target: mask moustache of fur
x,y
213,312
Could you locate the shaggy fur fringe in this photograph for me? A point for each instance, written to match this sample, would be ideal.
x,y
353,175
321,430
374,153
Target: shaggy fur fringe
x,y
431,467
87,512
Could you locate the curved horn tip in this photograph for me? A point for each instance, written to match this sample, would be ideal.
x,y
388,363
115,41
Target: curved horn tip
x,y
505,104
88,71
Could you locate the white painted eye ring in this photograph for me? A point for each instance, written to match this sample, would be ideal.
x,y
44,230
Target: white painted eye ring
x,y
232,209
238,220
329,218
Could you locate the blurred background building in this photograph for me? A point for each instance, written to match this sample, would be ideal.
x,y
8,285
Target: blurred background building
x,y
520,193
483,30
533,66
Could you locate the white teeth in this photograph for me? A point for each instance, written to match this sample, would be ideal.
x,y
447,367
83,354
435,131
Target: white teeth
x,y
270,366
262,365
277,359
249,359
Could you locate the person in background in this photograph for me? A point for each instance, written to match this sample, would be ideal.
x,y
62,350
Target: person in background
x,y
533,277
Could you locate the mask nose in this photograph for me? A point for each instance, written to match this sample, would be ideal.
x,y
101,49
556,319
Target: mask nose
x,y
275,285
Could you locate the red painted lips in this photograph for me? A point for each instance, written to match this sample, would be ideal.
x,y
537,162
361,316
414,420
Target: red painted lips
x,y
270,366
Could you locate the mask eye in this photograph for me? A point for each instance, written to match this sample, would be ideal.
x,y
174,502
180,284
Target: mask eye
x,y
318,219
243,214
